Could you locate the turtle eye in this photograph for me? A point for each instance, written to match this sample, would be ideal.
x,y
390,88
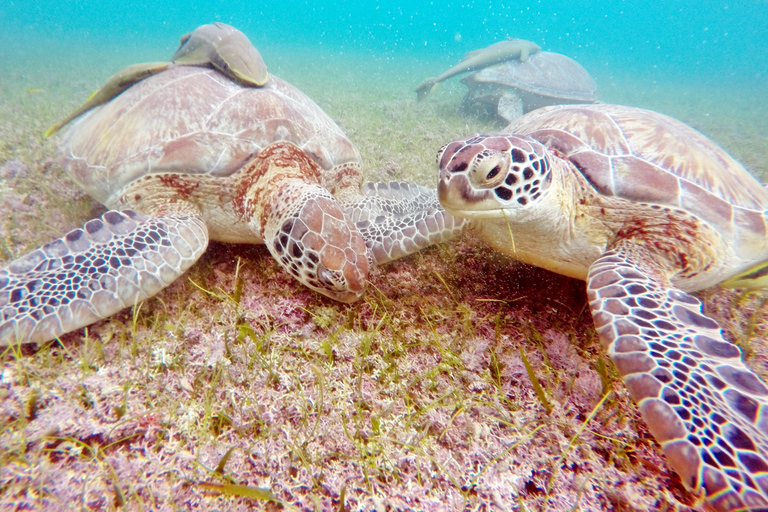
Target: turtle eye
x,y
490,168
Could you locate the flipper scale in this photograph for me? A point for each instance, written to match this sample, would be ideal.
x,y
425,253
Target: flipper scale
x,y
397,219
93,272
705,407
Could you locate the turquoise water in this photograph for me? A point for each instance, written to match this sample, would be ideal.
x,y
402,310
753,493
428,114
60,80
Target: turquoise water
x,y
708,40
704,63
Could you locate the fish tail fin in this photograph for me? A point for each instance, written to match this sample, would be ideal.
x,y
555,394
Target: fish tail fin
x,y
755,277
55,128
426,87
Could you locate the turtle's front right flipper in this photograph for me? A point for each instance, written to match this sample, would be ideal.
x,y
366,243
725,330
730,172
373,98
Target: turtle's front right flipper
x,y
91,273
705,407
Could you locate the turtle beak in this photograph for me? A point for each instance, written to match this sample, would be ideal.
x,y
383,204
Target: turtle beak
x,y
458,195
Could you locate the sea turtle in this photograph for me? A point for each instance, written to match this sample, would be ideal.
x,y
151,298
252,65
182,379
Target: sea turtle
x,y
510,49
512,88
216,45
646,210
189,155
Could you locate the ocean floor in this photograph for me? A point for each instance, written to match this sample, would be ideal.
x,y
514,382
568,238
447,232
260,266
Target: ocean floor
x,y
414,398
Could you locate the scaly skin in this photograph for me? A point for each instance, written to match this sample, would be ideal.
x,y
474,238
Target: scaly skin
x,y
276,199
526,196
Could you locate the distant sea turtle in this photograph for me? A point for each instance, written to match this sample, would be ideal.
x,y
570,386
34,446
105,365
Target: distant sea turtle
x,y
188,155
511,49
216,45
645,209
515,87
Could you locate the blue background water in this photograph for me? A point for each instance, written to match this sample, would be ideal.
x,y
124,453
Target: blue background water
x,y
703,40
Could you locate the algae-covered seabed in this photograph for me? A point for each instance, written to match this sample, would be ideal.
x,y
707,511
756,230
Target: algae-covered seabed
x,y
414,398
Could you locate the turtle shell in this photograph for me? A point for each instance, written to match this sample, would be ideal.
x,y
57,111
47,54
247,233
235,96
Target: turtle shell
x,y
544,74
194,120
647,157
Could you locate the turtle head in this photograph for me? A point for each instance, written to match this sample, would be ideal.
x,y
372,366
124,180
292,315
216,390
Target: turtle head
x,y
303,225
318,245
487,176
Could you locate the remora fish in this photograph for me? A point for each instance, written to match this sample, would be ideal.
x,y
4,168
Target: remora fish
x,y
484,57
226,49
116,84
217,45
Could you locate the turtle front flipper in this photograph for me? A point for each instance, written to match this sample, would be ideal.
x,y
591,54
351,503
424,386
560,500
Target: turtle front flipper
x,y
91,273
708,410
397,219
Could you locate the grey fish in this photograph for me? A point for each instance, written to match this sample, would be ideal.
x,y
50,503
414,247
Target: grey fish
x,y
484,57
116,84
220,46
226,49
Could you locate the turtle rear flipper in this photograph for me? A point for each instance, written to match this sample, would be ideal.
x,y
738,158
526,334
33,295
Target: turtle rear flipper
x,y
397,219
91,273
706,409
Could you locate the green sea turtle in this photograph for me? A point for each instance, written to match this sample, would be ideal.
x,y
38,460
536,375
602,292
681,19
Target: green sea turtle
x,y
189,155
216,45
517,49
646,210
515,87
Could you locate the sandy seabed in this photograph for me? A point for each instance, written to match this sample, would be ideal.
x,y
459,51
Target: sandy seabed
x,y
414,398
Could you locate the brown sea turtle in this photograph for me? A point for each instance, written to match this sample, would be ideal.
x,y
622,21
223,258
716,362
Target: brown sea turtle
x,y
215,45
646,210
511,49
515,87
187,156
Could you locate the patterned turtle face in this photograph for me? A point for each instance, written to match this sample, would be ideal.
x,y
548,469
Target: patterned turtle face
x,y
482,175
